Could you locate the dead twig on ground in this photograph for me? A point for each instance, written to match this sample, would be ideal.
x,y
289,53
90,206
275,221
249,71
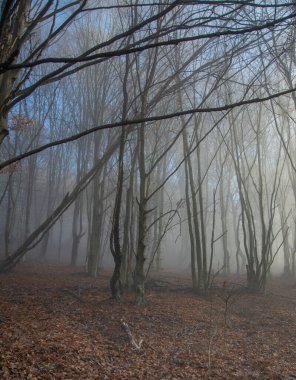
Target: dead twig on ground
x,y
130,335
74,295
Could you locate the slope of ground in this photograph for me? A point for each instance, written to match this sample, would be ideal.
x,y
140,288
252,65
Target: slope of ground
x,y
58,324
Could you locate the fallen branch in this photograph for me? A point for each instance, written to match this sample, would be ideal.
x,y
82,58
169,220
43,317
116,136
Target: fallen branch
x,y
74,295
130,335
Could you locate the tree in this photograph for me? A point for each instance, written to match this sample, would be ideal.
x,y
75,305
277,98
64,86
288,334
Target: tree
x,y
257,204
180,59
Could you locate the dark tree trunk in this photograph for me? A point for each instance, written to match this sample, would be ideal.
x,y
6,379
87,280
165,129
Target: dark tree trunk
x,y
115,282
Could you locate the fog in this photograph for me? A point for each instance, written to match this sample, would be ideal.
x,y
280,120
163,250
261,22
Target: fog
x,y
179,156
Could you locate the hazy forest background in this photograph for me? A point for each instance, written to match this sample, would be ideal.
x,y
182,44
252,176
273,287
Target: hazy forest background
x,y
147,189
149,135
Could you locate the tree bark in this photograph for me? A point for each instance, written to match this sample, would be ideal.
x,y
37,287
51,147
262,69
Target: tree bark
x,y
140,256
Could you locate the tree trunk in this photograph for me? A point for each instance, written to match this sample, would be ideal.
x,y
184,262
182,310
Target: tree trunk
x,y
140,258
226,256
13,19
77,232
128,239
190,227
115,283
140,255
94,254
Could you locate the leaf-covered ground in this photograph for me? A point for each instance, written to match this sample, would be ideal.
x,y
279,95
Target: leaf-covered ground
x,y
58,324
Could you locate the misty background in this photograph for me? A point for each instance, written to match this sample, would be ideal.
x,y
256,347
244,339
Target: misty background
x,y
192,165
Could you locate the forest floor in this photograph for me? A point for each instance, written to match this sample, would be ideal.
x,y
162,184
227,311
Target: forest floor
x,y
56,323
